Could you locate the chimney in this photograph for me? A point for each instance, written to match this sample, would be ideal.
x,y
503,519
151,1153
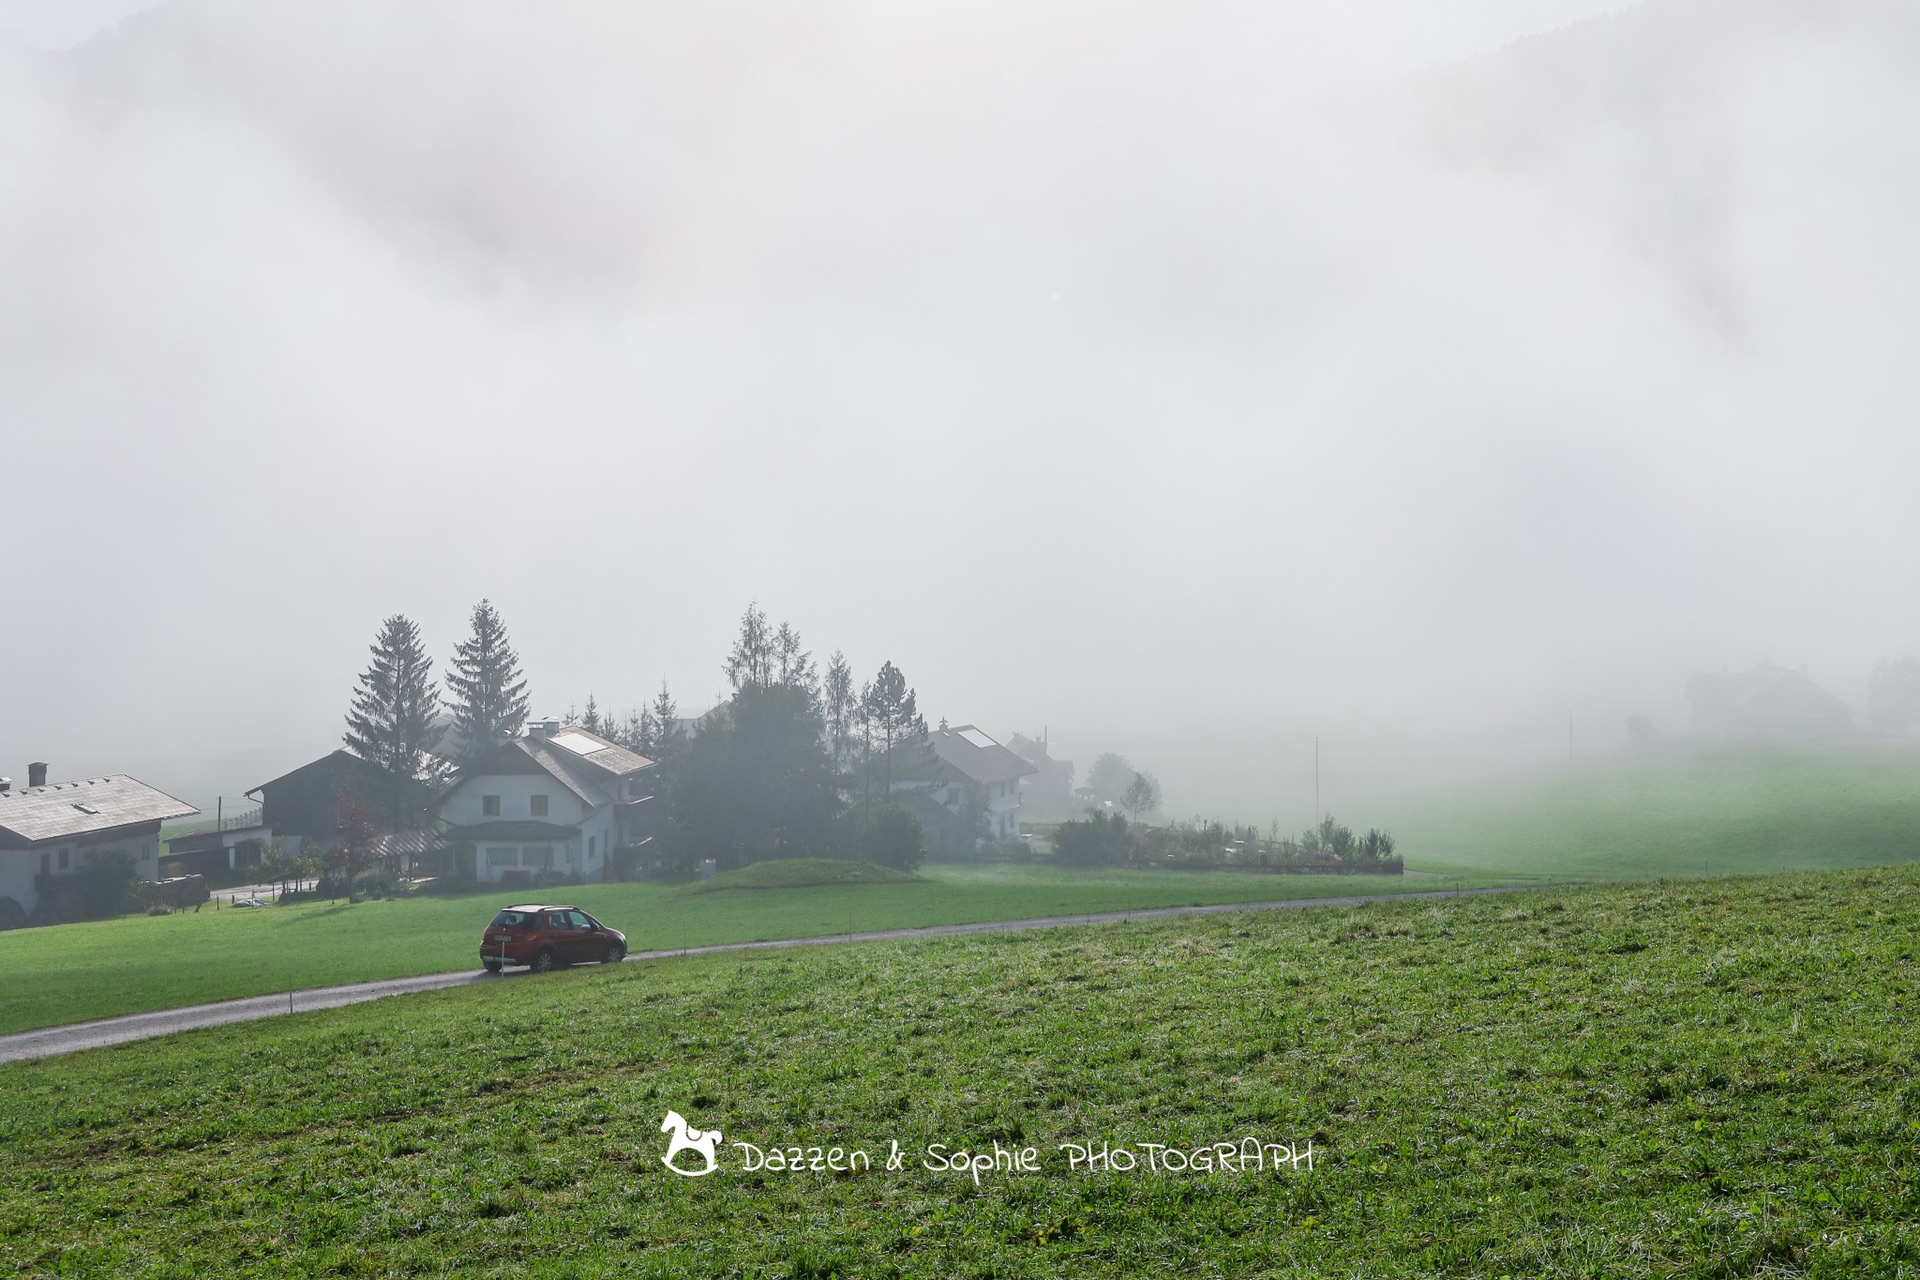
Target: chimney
x,y
542,728
6,784
37,774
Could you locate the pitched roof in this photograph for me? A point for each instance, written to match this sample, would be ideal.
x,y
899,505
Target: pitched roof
x,y
976,755
336,763
596,751
584,763
63,810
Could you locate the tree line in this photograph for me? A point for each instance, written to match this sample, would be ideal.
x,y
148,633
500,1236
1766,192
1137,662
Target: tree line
x,y
1109,840
794,763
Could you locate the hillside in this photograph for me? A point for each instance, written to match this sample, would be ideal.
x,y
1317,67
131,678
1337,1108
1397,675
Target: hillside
x,y
1679,813
1715,1080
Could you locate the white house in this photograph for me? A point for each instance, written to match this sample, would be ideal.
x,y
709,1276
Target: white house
x,y
552,800
963,758
51,830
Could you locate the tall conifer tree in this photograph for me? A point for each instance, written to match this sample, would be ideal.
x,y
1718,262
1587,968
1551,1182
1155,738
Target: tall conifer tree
x,y
489,699
390,723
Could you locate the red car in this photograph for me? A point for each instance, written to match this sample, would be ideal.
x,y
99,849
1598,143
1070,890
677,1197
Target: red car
x,y
548,937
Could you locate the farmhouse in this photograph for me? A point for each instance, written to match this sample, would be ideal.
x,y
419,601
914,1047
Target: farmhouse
x,y
52,831
555,799
963,767
1768,702
302,807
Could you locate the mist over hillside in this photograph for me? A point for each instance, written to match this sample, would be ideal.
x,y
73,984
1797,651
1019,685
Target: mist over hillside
x,y
1192,380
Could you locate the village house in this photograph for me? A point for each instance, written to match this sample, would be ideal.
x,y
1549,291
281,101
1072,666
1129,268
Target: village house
x,y
1769,702
301,808
49,831
554,800
962,764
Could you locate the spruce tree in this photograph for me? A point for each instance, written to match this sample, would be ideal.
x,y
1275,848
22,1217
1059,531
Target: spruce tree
x,y
390,723
489,699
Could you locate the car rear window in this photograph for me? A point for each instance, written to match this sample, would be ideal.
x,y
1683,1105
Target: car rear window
x,y
513,920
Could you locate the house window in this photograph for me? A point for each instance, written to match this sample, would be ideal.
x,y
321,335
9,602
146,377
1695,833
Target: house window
x,y
46,864
539,804
489,806
590,845
540,857
65,858
503,856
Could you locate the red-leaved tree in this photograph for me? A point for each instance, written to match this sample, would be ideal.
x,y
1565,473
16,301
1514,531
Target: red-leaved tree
x,y
356,839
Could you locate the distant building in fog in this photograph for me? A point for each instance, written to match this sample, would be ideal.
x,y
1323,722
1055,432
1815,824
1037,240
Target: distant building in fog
x,y
958,761
1049,792
1768,703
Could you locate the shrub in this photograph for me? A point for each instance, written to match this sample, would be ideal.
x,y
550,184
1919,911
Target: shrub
x,y
1100,840
107,886
892,837
12,914
376,882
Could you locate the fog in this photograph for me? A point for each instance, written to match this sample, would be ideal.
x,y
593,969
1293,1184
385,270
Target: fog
x,y
1191,380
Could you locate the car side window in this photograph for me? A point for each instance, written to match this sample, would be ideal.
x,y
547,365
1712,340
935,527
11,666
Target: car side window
x,y
564,920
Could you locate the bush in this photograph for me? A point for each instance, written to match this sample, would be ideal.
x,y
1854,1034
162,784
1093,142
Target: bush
x,y
107,886
892,837
1100,840
12,914
376,882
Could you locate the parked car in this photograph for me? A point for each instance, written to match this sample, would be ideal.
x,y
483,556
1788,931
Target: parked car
x,y
544,937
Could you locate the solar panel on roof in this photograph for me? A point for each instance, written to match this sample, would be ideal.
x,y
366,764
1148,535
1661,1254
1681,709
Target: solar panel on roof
x,y
978,738
579,743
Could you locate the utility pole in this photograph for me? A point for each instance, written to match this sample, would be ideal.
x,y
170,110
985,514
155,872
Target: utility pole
x,y
1316,779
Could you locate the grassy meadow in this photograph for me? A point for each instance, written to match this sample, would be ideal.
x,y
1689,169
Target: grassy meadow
x,y
1676,813
1706,1079
76,972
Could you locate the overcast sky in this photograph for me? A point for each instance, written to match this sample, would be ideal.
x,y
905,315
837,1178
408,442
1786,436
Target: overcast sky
x,y
1188,378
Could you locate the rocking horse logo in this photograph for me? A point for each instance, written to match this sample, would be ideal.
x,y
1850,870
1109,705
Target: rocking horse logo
x,y
688,1138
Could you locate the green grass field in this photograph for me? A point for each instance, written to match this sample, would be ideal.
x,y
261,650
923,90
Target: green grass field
x,y
72,973
1676,813
1712,1079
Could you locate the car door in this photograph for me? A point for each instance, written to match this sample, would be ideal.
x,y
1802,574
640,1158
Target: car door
x,y
569,936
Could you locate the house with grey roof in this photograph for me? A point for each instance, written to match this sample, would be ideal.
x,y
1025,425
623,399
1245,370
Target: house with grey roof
x,y
959,767
52,830
556,800
1770,702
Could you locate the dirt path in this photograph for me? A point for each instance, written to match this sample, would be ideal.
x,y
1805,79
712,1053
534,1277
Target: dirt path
x,y
50,1041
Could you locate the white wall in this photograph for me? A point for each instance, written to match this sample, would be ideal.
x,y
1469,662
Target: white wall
x,y
571,856
463,807
18,867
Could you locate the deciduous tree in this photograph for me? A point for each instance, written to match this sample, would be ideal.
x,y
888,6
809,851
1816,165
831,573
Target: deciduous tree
x,y
891,726
841,706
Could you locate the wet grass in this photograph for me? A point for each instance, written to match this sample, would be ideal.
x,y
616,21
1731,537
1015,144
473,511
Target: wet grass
x,y
72,973
1712,1079
1677,812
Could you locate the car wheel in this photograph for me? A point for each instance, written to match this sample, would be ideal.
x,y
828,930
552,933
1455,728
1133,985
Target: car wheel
x,y
493,966
543,963
616,952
